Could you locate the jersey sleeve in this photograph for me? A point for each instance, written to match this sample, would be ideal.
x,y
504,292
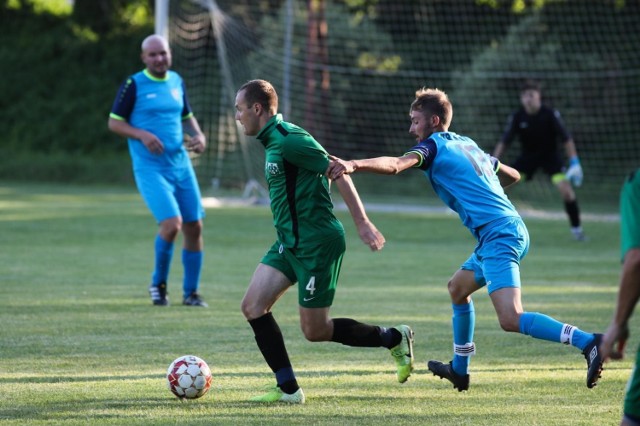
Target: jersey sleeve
x,y
125,100
510,129
305,152
559,126
187,112
427,151
495,163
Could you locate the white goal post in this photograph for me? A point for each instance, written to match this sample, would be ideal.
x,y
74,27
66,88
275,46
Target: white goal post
x,y
162,17
229,134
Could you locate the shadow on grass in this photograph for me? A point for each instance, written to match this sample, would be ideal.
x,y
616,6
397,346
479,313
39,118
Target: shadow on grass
x,y
75,379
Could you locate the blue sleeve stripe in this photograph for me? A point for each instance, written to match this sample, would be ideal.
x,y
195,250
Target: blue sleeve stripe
x,y
186,110
125,99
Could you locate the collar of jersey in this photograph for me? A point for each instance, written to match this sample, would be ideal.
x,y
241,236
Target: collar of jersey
x,y
151,77
271,124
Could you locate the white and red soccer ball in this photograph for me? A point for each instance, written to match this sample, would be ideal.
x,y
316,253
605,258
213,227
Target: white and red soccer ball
x,y
189,377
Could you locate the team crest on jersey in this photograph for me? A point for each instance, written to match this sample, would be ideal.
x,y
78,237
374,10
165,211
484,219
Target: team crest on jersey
x,y
176,94
273,169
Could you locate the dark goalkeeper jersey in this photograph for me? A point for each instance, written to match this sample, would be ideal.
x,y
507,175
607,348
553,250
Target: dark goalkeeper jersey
x,y
538,133
300,199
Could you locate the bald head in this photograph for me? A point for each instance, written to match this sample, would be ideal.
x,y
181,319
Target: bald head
x,y
156,55
153,41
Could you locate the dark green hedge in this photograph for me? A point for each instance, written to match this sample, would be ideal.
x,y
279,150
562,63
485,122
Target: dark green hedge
x,y
58,83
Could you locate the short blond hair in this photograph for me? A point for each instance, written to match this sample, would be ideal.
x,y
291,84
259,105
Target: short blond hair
x,y
433,102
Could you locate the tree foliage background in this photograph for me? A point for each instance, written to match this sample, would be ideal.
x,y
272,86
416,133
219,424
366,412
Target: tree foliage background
x,y
61,71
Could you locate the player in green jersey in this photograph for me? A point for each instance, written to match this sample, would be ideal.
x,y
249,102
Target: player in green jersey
x,y
309,248
628,295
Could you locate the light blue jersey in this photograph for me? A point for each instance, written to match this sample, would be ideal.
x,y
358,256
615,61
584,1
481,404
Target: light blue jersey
x,y
166,181
158,106
463,177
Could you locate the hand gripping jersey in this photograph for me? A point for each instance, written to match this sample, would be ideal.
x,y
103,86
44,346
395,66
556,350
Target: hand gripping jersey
x,y
158,106
300,199
463,177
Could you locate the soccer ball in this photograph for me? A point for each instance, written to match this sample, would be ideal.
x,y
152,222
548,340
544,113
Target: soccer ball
x,y
189,377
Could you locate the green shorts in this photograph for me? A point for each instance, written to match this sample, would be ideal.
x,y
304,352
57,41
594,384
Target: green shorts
x,y
315,269
632,394
630,214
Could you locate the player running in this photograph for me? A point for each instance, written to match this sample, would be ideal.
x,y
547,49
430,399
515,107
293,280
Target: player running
x,y
309,248
628,294
471,183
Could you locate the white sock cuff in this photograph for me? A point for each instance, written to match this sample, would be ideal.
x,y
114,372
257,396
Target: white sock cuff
x,y
566,337
467,349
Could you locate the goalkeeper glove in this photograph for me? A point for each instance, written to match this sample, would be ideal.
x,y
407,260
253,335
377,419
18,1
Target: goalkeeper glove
x,y
574,173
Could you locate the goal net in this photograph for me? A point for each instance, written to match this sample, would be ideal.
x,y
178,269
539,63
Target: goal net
x,y
347,72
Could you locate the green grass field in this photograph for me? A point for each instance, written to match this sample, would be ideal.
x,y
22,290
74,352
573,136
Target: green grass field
x,y
81,344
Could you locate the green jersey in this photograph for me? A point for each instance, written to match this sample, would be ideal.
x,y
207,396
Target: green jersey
x,y
300,198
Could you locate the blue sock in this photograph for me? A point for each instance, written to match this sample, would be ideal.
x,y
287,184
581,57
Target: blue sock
x,y
192,263
284,375
287,380
164,254
544,327
464,322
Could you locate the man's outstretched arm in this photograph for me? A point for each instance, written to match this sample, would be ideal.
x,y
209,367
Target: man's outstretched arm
x,y
379,165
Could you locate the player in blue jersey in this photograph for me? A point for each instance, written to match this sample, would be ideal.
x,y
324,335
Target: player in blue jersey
x,y
539,128
152,111
471,183
628,295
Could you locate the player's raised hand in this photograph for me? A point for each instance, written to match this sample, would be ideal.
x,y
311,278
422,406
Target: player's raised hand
x,y
338,167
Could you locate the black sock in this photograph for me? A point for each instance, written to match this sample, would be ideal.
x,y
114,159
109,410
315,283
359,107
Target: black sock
x,y
390,337
353,333
571,207
271,343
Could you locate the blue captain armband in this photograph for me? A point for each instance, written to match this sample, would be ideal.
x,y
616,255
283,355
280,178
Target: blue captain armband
x,y
426,150
419,154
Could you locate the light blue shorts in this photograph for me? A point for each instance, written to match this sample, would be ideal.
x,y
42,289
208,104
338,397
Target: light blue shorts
x,y
171,193
496,259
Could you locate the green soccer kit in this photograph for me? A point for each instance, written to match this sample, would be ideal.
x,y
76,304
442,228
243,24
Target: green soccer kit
x,y
629,208
310,242
630,239
300,201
